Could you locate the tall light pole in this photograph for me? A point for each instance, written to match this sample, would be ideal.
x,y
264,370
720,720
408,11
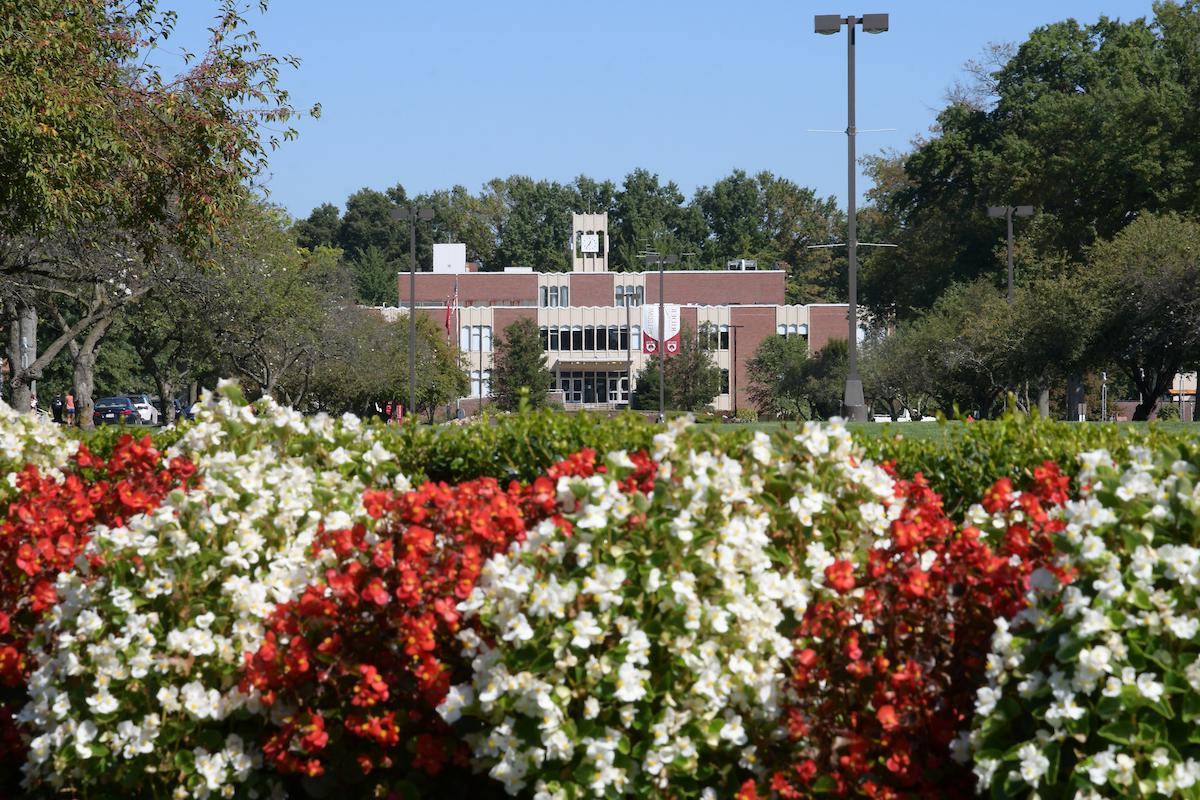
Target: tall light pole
x,y
412,214
1007,212
660,259
853,405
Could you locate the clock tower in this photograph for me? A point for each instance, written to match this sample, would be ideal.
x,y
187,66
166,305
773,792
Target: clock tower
x,y
589,242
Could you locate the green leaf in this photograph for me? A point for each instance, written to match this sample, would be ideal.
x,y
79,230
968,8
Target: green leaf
x,y
1121,732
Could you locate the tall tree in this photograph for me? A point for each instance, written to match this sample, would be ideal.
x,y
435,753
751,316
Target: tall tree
x,y
1146,281
320,229
520,363
1123,94
776,374
537,224
95,135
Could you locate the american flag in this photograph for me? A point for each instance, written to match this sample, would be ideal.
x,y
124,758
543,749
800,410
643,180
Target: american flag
x,y
451,307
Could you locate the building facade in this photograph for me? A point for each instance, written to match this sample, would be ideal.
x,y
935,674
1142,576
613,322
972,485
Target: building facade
x,y
591,318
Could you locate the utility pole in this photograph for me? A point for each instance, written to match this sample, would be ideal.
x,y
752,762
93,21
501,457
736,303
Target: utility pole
x,y
661,260
1007,212
412,214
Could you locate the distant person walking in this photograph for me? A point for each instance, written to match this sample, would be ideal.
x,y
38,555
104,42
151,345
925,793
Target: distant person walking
x,y
56,408
69,408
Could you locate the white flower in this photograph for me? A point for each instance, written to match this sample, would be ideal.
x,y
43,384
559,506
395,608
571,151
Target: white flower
x,y
1149,688
1033,763
457,698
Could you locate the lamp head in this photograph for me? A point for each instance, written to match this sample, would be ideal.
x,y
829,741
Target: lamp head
x,y
874,23
1023,211
827,24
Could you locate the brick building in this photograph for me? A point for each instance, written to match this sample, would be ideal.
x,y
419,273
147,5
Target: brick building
x,y
591,319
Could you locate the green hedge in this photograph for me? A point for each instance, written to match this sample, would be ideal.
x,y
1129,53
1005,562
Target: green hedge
x,y
963,457
957,458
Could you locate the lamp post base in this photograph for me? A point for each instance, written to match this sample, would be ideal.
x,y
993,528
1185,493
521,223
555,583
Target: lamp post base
x,y
854,408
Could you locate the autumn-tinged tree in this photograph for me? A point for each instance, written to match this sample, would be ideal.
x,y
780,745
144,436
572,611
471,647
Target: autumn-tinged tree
x,y
98,142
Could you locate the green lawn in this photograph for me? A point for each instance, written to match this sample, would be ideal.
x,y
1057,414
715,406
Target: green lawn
x,y
929,430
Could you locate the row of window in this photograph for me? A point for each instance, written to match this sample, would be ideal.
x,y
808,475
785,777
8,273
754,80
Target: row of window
x,y
478,338
591,337
475,338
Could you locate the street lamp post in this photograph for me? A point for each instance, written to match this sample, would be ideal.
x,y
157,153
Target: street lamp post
x,y
660,259
1007,212
853,405
412,214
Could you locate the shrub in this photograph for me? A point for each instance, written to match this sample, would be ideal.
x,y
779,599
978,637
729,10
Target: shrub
x,y
136,686
637,649
47,528
1095,689
889,653
361,714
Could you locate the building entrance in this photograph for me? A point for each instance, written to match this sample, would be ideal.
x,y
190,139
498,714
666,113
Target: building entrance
x,y
594,387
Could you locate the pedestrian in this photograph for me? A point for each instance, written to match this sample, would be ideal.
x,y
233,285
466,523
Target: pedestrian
x,y
56,408
69,408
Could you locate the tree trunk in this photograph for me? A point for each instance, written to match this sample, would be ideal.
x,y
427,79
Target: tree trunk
x,y
83,357
84,379
1044,402
22,356
1151,392
166,400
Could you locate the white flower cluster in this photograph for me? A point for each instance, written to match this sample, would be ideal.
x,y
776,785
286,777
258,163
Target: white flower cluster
x,y
29,439
137,667
640,654
1107,665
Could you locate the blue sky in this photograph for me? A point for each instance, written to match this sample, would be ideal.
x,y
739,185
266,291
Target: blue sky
x,y
434,94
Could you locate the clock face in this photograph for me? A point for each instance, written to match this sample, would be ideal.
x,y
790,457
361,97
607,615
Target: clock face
x,y
589,243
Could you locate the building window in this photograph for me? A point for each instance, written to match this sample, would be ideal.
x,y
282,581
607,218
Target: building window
x,y
553,345
781,330
724,381
481,383
724,345
577,337
638,296
553,296
589,338
614,338
563,296
544,332
601,338
475,338
544,296
620,293
637,337
624,338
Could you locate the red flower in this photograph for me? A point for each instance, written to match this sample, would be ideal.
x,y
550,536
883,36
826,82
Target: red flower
x,y
840,575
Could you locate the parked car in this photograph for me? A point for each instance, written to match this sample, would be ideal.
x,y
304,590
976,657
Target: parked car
x,y
115,411
180,408
146,410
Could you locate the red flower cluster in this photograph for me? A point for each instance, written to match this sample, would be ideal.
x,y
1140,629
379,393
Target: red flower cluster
x,y
368,653
47,527
886,670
